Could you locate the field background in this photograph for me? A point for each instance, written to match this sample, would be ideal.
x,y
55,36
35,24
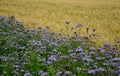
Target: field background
x,y
104,15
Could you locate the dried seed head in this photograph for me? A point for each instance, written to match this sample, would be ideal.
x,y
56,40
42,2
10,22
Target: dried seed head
x,y
94,29
87,29
67,22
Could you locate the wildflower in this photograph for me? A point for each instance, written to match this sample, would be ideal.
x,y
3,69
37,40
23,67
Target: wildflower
x,y
99,58
73,54
39,43
43,48
68,73
49,62
101,50
105,64
16,66
22,70
19,22
107,45
45,74
92,48
54,43
78,69
94,34
91,71
95,66
92,53
79,49
73,60
52,58
114,64
87,59
100,69
79,25
27,74
25,63
3,58
54,50
119,74
59,73
16,73
2,17
41,73
64,57
115,59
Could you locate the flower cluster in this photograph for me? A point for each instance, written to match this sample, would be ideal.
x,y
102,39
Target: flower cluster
x,y
39,52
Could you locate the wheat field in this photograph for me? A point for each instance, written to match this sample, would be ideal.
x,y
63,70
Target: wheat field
x,y
104,15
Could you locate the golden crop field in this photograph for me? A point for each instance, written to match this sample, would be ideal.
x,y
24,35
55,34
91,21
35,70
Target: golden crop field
x,y
104,15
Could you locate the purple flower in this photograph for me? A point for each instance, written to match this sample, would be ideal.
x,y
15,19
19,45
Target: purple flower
x,y
79,49
52,58
105,64
49,62
107,45
41,73
100,69
2,17
91,71
3,58
78,69
115,59
54,43
99,58
87,59
19,22
102,50
27,74
43,47
54,50
68,73
119,74
114,64
92,53
79,25
64,57
92,48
